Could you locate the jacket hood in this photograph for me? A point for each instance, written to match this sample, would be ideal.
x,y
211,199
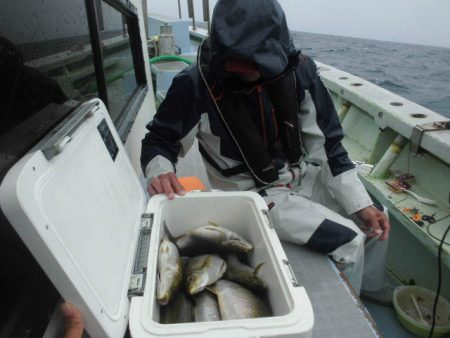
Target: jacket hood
x,y
251,30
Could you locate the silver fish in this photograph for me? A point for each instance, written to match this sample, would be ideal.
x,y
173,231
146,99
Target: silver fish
x,y
203,270
179,310
244,274
206,308
169,271
211,238
237,302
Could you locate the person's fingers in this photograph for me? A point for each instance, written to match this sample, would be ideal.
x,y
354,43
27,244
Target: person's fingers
x,y
73,321
386,226
177,186
376,230
155,186
167,186
383,227
151,190
371,217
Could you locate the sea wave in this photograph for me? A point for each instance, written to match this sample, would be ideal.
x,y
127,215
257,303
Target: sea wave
x,y
418,73
391,85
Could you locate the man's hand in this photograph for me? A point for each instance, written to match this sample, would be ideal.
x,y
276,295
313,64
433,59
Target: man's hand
x,y
73,322
375,221
166,184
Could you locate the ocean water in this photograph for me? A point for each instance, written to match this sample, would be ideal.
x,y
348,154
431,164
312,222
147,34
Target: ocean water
x,y
418,73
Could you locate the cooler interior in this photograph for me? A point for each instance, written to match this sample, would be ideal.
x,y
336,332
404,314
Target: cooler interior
x,y
237,213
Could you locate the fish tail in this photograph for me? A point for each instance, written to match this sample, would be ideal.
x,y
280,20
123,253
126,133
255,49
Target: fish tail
x,y
210,289
258,267
213,224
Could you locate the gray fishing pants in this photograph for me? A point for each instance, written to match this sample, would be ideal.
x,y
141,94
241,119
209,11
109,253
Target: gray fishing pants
x,y
311,217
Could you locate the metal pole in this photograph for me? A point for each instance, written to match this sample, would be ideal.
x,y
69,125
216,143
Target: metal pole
x,y
124,26
144,10
206,14
191,13
343,109
389,157
179,8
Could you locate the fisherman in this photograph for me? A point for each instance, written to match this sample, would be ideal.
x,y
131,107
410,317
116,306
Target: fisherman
x,y
265,122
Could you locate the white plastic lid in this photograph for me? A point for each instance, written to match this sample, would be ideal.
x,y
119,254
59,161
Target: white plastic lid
x,y
79,213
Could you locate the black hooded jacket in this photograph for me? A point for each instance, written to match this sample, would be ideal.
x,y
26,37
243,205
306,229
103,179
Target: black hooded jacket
x,y
255,31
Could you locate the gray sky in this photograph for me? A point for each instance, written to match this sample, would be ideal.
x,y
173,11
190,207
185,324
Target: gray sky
x,y
424,22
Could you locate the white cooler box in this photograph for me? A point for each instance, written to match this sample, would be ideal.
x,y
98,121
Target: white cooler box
x,y
79,206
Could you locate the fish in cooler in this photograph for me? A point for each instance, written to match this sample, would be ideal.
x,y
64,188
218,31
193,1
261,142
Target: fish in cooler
x,y
169,271
203,270
208,297
243,274
206,308
237,302
179,310
211,238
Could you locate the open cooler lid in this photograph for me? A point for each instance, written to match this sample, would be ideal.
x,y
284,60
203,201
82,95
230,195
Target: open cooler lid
x,y
76,202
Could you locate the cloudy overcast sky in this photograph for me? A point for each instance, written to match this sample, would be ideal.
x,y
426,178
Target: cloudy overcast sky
x,y
425,22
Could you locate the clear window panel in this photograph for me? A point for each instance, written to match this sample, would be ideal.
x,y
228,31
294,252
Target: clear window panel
x,y
45,57
45,61
117,60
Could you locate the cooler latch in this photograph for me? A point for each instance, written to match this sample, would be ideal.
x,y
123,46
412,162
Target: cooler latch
x,y
139,275
266,213
294,281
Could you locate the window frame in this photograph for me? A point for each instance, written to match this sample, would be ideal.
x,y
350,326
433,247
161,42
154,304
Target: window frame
x,y
128,113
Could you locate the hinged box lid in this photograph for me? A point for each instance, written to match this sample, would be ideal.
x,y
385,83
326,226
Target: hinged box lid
x,y
76,202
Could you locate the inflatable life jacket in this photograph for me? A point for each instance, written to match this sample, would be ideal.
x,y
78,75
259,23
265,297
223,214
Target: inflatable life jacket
x,y
258,157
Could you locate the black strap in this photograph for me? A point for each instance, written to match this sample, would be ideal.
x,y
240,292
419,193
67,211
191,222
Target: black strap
x,y
262,193
283,95
239,169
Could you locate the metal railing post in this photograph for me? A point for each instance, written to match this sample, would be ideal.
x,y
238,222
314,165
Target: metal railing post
x,y
343,109
389,157
206,14
191,13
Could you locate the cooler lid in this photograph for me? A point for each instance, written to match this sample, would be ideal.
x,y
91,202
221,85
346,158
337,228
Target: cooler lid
x,y
76,202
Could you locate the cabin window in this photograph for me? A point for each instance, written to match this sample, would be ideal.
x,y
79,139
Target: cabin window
x,y
46,69
119,64
45,57
56,54
117,54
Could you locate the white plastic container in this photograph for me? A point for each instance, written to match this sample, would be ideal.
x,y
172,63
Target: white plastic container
x,y
78,205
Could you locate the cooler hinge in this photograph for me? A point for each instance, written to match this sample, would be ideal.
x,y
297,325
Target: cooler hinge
x,y
139,274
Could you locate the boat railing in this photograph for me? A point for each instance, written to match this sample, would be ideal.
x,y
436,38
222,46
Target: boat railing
x,y
388,110
381,133
191,13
